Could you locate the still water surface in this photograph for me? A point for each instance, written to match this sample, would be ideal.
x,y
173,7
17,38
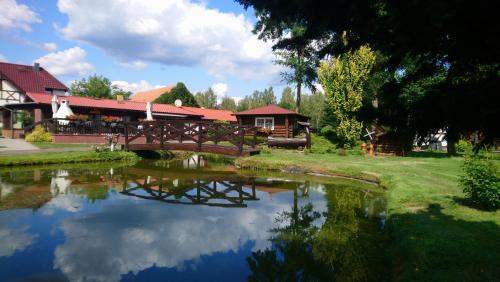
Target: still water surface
x,y
187,221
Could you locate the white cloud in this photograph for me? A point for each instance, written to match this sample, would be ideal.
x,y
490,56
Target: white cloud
x,y
177,32
319,88
136,65
133,86
2,58
220,89
49,46
16,15
130,239
67,62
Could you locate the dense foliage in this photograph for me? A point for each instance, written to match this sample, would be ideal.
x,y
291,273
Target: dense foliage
x,y
206,99
257,99
228,103
180,92
481,182
39,135
97,87
287,100
313,106
441,67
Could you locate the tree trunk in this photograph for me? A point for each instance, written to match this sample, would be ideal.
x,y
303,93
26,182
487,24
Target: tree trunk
x,y
452,136
297,105
298,76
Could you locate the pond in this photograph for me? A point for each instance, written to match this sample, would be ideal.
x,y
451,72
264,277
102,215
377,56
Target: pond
x,y
187,220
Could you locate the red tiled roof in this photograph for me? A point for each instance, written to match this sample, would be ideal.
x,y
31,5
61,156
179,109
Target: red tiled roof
x,y
267,110
74,101
213,114
26,79
150,95
43,98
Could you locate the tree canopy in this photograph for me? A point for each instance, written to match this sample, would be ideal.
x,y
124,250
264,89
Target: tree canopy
x,y
257,99
206,99
287,101
97,86
180,92
441,58
228,104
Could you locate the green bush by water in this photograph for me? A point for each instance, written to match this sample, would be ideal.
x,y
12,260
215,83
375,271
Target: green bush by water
x,y
481,182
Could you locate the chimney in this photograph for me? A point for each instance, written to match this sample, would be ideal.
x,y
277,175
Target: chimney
x,y
119,98
36,66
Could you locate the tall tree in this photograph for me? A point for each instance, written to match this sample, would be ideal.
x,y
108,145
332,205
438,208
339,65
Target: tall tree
x,y
444,53
206,99
343,78
228,104
180,92
299,57
287,101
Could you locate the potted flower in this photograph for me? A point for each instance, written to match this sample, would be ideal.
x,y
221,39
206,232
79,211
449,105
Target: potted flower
x,y
83,117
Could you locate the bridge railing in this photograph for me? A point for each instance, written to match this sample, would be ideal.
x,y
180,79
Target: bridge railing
x,y
182,131
76,127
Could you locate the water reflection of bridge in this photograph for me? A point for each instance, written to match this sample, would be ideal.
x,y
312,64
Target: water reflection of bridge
x,y
200,192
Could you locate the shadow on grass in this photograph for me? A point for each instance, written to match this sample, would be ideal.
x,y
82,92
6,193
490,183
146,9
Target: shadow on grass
x,y
433,246
430,154
470,204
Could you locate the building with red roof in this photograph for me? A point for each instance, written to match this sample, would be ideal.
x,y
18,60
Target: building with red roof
x,y
279,121
16,80
30,89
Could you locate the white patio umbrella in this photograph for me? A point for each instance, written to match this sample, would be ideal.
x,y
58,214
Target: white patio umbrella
x,y
63,112
54,105
149,111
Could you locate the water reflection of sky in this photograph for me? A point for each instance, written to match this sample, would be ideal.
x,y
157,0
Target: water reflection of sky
x,y
122,237
81,228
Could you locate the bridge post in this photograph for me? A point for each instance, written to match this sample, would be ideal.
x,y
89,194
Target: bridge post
x,y
242,140
200,133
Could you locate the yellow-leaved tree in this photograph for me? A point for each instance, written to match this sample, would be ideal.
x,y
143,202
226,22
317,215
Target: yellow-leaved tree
x,y
343,79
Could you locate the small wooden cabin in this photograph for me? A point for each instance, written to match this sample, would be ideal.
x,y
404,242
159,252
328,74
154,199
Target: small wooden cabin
x,y
281,122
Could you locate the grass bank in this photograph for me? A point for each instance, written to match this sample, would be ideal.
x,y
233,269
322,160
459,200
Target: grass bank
x,y
66,157
50,145
434,236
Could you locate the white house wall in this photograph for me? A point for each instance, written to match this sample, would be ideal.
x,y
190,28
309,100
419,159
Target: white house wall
x,y
8,86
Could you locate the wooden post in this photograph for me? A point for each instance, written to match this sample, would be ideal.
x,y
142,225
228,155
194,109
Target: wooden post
x,y
200,133
125,131
242,140
286,126
308,138
216,133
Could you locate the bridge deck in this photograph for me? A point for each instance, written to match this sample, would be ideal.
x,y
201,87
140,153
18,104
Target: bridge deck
x,y
207,148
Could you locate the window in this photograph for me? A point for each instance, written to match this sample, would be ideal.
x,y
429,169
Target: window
x,y
265,122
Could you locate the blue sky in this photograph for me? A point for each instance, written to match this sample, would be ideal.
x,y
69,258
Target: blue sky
x,y
142,44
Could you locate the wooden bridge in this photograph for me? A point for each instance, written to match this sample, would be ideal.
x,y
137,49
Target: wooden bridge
x,y
197,136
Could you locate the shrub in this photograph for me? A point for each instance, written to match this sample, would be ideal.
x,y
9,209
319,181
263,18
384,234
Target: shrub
x,y
321,145
481,182
463,146
39,135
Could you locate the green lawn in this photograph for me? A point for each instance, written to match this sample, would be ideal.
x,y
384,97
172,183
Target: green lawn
x,y
66,157
49,145
434,236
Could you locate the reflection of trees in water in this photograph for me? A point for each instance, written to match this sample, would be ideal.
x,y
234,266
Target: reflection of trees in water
x,y
347,247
